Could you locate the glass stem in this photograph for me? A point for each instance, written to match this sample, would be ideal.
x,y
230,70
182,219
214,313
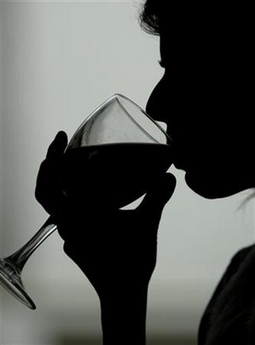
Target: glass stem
x,y
20,257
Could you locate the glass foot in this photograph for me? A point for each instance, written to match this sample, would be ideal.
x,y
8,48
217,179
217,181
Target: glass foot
x,y
10,279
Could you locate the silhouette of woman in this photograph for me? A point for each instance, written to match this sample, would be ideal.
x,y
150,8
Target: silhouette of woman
x,y
205,97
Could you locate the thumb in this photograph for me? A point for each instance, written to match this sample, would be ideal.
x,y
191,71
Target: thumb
x,y
157,196
57,147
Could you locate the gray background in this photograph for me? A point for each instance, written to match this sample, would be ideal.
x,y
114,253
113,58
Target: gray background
x,y
59,60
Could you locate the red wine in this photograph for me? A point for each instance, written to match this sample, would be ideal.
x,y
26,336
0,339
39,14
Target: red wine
x,y
113,175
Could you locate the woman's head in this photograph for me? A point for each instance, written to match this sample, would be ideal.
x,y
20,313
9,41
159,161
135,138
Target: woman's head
x,y
149,16
205,95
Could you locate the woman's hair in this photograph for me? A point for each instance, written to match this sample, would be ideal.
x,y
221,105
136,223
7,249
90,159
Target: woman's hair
x,y
149,16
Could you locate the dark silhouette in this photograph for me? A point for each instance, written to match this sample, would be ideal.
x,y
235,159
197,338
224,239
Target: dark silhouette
x,y
205,97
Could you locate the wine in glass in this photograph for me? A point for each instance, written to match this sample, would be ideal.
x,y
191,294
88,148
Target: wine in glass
x,y
116,151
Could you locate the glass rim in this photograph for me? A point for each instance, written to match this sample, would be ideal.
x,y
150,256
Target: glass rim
x,y
116,95
121,96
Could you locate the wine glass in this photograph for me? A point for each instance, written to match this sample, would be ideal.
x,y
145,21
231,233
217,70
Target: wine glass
x,y
118,149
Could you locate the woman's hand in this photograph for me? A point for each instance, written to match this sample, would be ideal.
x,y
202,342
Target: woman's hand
x,y
119,245
116,249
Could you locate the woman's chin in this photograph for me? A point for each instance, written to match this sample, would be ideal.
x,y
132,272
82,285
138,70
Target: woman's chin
x,y
210,187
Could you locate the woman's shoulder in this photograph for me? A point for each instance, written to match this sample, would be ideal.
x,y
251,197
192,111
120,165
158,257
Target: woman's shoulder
x,y
243,252
239,269
243,257
230,314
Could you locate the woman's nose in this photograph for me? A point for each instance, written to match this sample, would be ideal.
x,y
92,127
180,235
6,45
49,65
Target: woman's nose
x,y
156,106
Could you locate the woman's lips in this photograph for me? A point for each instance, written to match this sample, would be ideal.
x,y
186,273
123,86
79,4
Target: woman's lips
x,y
181,155
180,160
180,165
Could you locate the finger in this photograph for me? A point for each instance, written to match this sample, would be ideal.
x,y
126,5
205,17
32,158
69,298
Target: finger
x,y
57,147
157,196
48,191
